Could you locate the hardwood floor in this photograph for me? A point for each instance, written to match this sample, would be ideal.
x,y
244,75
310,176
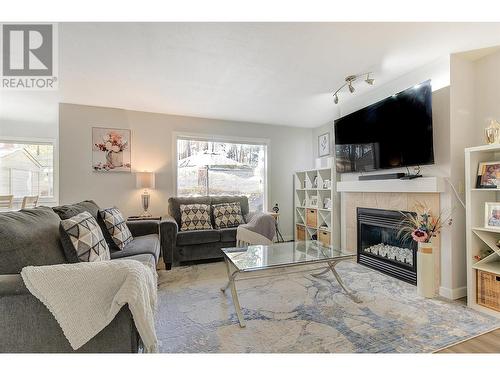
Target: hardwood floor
x,y
486,343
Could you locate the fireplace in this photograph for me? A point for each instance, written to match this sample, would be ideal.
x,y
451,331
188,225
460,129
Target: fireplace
x,y
381,247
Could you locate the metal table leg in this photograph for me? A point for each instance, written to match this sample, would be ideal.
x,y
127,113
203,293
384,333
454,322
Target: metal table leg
x,y
341,283
279,237
231,283
331,267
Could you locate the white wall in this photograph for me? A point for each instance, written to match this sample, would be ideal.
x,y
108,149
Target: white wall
x,y
439,73
462,135
474,97
152,139
486,95
31,115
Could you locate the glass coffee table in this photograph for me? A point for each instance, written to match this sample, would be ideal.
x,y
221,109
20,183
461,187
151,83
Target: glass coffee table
x,y
256,261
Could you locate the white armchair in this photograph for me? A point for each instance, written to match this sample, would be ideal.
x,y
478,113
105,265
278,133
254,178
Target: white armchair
x,y
259,230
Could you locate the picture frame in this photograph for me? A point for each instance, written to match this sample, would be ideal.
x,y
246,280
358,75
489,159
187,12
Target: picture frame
x,y
488,175
111,150
327,203
492,215
324,144
314,201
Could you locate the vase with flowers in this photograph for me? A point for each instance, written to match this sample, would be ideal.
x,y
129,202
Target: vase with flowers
x,y
422,227
113,145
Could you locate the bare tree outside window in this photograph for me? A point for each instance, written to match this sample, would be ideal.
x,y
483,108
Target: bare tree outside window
x,y
221,168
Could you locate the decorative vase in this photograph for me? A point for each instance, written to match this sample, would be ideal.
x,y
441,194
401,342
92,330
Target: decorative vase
x,y
425,270
115,158
492,132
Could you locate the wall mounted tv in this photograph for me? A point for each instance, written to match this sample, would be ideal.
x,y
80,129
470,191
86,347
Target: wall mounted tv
x,y
392,133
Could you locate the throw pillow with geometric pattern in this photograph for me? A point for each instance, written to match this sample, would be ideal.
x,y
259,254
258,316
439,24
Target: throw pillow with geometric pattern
x,y
86,237
116,226
195,217
228,215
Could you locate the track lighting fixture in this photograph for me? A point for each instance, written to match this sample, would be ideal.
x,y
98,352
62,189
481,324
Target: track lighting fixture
x,y
349,83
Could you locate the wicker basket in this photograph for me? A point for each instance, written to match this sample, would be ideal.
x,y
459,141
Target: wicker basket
x,y
312,218
301,233
488,290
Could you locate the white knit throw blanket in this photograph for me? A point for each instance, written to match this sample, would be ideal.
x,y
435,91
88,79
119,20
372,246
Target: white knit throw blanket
x,y
85,297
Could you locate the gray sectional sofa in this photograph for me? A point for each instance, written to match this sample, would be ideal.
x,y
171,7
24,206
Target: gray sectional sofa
x,y
198,244
31,237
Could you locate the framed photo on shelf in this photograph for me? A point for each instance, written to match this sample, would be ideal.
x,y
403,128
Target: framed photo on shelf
x,y
314,201
488,175
492,215
327,203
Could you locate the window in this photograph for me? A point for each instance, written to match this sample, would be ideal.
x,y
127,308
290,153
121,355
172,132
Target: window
x,y
206,167
27,169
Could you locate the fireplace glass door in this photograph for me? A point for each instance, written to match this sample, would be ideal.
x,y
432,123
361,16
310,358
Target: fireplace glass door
x,y
382,246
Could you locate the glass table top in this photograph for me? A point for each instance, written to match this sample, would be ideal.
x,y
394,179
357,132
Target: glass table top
x,y
256,257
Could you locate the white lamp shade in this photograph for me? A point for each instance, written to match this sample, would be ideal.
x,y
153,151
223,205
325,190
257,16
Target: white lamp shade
x,y
145,180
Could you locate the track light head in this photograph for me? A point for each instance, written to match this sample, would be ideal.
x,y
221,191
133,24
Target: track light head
x,y
349,83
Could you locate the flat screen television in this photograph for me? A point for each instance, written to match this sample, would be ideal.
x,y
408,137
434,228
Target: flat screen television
x,y
392,133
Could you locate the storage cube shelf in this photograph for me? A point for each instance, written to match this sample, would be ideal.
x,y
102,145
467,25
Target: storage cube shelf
x,y
312,220
483,276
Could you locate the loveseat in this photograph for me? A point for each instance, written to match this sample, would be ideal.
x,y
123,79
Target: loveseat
x,y
32,237
193,245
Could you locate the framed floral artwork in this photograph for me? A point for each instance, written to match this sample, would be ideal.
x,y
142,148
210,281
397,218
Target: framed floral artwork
x,y
111,150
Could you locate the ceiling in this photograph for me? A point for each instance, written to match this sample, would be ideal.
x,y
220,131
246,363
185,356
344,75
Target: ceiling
x,y
274,73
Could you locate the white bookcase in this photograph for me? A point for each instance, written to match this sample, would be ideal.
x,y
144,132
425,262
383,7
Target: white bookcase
x,y
479,237
312,220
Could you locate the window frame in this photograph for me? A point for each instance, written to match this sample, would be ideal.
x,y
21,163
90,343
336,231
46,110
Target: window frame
x,y
229,139
49,201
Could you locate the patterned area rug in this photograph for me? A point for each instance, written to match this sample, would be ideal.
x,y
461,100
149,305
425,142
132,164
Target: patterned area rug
x,y
299,313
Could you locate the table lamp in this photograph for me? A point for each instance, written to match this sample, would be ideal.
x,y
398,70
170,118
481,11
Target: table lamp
x,y
145,180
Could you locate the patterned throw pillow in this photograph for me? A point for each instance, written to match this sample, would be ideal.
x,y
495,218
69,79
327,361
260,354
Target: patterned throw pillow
x,y
227,215
86,239
115,224
195,217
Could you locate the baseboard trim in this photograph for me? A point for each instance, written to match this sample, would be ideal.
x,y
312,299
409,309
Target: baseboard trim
x,y
455,293
288,237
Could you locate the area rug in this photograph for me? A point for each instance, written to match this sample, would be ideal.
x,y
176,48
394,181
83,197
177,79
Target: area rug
x,y
299,313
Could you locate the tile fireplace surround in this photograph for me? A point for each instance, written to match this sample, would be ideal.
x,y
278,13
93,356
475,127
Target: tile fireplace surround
x,y
387,201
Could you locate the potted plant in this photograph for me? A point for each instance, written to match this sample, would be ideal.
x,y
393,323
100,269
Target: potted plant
x,y
422,228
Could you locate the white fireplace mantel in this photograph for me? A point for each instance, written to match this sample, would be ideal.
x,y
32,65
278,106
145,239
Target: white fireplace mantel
x,y
417,185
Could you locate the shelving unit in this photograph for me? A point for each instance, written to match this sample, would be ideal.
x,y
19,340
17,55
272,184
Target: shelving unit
x,y
312,220
478,237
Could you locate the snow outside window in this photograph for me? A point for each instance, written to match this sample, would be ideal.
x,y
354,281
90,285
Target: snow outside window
x,y
222,168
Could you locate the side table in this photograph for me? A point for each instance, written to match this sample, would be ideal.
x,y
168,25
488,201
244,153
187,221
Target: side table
x,y
137,218
276,215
